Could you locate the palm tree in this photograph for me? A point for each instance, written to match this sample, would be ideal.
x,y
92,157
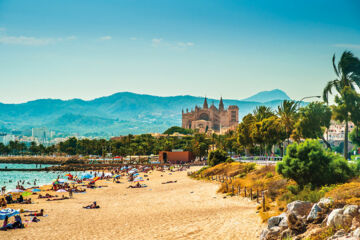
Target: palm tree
x,y
262,112
287,112
347,72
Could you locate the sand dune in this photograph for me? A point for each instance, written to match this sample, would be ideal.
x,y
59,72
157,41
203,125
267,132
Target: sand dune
x,y
188,209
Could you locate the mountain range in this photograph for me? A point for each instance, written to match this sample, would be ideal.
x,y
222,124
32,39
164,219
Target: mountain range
x,y
117,114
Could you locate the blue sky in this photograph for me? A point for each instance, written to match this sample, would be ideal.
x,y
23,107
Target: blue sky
x,y
87,49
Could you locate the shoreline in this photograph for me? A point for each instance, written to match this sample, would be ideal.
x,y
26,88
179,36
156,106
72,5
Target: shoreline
x,y
187,209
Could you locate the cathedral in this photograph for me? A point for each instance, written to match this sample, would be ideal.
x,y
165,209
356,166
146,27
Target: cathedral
x,y
213,119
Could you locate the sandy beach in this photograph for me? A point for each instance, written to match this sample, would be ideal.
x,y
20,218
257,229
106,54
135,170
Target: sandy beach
x,y
188,209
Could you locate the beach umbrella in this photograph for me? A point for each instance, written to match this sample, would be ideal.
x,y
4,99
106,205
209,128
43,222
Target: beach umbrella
x,y
36,190
138,179
69,175
25,194
96,178
16,191
108,175
61,190
136,174
8,212
87,176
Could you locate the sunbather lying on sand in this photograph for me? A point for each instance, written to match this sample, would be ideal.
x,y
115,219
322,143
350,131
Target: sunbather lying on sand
x,y
169,182
92,206
138,185
36,214
58,199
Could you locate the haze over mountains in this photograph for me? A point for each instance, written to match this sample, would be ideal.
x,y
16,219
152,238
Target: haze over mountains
x,y
118,114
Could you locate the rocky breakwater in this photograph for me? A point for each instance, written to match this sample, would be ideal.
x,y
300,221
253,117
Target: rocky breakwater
x,y
305,220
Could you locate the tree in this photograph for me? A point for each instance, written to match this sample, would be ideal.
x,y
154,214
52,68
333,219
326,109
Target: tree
x,y
177,129
217,156
313,120
287,112
244,132
309,163
262,112
347,109
347,72
272,132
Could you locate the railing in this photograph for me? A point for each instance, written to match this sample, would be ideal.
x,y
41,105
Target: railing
x,y
259,159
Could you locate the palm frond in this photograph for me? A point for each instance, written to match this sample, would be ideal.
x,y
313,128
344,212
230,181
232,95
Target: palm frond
x,y
334,66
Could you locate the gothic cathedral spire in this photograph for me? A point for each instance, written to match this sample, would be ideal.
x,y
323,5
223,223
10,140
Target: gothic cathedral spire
x,y
221,105
205,106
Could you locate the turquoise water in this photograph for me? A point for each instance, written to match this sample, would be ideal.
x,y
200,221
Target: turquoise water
x,y
10,178
23,166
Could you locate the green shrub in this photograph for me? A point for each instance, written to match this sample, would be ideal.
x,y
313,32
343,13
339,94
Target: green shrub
x,y
229,160
217,156
309,163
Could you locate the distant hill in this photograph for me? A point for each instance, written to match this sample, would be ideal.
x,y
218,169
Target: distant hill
x,y
267,96
117,114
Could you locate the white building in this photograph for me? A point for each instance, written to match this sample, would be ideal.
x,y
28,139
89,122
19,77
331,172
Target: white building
x,y
6,138
336,131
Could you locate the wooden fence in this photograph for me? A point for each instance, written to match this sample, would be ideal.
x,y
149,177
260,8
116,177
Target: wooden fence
x,y
253,194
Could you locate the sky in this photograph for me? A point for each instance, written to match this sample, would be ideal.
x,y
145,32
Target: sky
x,y
88,48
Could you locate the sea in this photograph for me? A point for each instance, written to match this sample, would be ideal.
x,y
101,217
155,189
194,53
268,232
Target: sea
x,y
11,178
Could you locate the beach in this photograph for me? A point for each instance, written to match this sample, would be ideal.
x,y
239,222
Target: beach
x,y
187,209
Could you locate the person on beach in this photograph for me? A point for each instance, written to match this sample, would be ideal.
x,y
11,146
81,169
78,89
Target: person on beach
x,y
92,206
36,214
3,203
5,224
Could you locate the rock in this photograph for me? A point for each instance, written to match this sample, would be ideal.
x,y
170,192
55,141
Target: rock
x,y
264,233
284,222
276,220
351,210
341,235
286,234
356,233
315,213
299,208
296,223
338,219
326,203
270,233
355,224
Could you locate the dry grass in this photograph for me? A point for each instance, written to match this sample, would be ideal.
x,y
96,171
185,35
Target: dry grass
x,y
347,193
229,169
255,178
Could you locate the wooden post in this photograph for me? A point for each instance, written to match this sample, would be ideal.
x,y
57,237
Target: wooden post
x,y
239,188
227,187
245,191
232,189
251,197
263,202
257,195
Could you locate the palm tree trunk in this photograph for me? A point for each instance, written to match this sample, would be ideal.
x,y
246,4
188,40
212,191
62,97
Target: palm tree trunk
x,y
346,140
326,143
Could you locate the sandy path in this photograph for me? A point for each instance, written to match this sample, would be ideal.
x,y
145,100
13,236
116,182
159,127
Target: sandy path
x,y
188,209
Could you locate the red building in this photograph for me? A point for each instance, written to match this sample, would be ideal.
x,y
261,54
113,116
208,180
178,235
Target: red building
x,y
176,157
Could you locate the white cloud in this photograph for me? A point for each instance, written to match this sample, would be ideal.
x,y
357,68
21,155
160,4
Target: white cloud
x,y
71,38
133,38
185,44
156,42
22,40
29,41
105,38
346,45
